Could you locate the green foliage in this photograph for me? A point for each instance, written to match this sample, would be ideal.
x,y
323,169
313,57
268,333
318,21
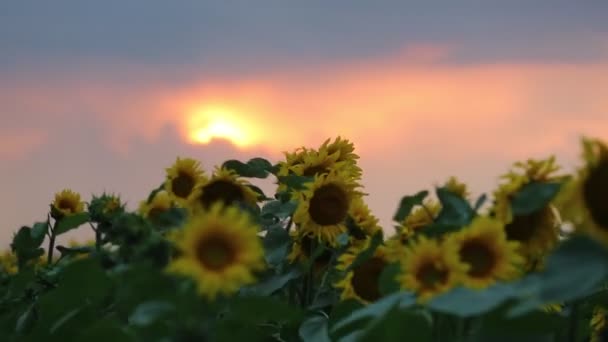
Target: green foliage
x,y
70,222
533,197
408,203
255,168
26,245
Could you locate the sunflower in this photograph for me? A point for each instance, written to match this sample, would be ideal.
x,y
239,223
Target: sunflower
x,y
67,202
365,224
302,249
219,249
483,248
8,262
421,216
362,282
583,199
323,206
227,187
598,324
428,269
457,187
320,162
159,204
184,179
396,244
537,232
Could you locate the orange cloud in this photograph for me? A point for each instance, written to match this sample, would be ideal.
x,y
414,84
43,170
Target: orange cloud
x,y
416,101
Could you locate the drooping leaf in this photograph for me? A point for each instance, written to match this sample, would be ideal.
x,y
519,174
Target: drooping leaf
x,y
455,210
25,246
276,243
465,302
408,203
39,231
533,197
70,222
279,209
314,329
275,282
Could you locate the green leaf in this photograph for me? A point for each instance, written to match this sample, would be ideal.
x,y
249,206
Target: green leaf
x,y
279,209
533,197
104,330
408,203
255,309
149,312
376,241
480,202
26,320
273,283
464,302
25,247
276,243
455,210
315,329
70,222
534,323
39,231
295,182
377,309
388,279
578,258
254,168
391,327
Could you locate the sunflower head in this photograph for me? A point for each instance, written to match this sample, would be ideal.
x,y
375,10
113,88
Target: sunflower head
x,y
537,232
104,207
365,224
219,249
428,269
226,187
67,202
485,252
324,205
160,203
363,281
183,180
342,147
421,216
583,199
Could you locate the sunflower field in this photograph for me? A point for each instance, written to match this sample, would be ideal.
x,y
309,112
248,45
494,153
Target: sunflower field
x,y
208,256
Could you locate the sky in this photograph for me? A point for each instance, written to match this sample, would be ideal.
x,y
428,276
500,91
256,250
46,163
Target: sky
x,y
103,96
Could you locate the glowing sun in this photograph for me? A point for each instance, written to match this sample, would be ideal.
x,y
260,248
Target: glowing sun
x,y
219,122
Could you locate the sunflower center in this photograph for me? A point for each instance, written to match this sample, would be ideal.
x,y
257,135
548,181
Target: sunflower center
x,y
595,190
182,185
216,252
66,204
524,227
479,257
221,190
366,279
430,276
328,205
315,170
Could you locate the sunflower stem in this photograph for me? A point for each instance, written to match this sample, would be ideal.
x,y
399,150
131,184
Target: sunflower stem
x,y
573,328
49,257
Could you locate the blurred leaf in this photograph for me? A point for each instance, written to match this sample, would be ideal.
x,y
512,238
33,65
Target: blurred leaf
x,y
254,168
455,210
534,323
105,330
276,243
378,309
577,258
388,279
480,202
70,222
149,312
391,327
256,309
295,182
408,203
273,283
26,320
464,302
315,329
261,195
25,247
39,231
363,256
279,209
533,197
